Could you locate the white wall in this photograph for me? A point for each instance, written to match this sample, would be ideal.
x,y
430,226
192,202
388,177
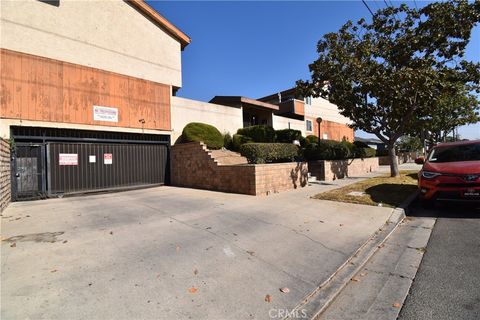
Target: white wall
x,y
283,123
184,111
109,35
326,110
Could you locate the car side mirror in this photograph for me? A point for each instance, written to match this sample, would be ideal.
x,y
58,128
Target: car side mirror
x,y
420,160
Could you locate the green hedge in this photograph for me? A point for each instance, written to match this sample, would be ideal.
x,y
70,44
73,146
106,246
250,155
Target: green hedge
x,y
311,139
238,140
335,150
260,133
365,152
269,152
288,135
360,144
326,150
202,132
227,141
382,153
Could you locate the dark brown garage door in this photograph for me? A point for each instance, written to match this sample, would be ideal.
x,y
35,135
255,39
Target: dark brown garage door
x,y
82,167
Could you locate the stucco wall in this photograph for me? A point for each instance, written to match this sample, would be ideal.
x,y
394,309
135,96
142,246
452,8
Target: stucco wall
x,y
193,167
4,174
283,123
109,35
184,111
326,110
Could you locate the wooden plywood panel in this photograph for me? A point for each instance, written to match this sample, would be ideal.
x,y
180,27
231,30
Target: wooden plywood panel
x,y
35,88
56,91
7,87
299,107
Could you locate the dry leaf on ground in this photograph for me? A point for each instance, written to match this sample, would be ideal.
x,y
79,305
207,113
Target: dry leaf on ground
x,y
285,290
396,305
192,290
268,298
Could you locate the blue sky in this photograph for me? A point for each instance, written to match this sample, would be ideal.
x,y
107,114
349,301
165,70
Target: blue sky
x,y
255,48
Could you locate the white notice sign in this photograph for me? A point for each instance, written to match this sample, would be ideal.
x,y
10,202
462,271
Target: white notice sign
x,y
68,159
105,114
92,159
107,158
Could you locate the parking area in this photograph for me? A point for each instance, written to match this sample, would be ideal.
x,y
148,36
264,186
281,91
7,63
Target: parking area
x,y
174,253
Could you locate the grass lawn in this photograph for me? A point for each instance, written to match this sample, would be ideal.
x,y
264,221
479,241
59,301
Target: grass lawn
x,y
388,191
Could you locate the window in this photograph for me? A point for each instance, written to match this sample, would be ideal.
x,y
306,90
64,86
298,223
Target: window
x,y
309,125
325,136
469,152
308,100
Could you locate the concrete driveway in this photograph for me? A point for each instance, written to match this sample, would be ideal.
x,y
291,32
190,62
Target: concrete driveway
x,y
174,253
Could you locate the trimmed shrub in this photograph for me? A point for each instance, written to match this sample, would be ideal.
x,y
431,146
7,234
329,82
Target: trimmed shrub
x,y
334,150
327,150
350,147
360,144
288,135
238,140
227,141
303,142
260,133
311,139
381,153
202,132
365,152
269,152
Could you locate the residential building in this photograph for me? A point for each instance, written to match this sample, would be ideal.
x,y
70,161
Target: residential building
x,y
304,111
88,98
86,90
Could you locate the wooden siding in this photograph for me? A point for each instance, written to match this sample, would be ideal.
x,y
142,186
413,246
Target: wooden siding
x,y
299,107
42,89
334,130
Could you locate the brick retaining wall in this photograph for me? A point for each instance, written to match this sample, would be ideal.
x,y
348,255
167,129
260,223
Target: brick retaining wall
x,y
5,176
192,167
329,170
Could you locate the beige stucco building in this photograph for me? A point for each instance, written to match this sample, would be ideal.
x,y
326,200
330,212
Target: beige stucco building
x,y
86,94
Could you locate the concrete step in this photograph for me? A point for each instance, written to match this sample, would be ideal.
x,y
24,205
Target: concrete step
x,y
227,157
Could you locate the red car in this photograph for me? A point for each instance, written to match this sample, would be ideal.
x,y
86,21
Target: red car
x,y
451,172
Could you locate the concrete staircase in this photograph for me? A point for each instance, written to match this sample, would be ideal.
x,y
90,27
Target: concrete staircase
x,y
226,157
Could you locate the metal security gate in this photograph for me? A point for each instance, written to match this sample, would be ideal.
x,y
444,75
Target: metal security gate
x,y
51,161
81,167
28,172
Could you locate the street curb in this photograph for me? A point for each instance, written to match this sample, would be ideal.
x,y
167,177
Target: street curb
x,y
317,301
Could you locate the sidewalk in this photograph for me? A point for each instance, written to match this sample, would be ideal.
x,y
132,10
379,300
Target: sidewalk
x,y
179,253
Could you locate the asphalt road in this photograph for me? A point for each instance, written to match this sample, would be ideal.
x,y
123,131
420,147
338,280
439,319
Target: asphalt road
x,y
447,285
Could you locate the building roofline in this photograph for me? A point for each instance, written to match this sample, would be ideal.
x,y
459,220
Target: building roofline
x,y
169,27
274,95
240,99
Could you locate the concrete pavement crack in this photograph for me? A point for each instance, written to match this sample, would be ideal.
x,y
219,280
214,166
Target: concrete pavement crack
x,y
244,250
389,273
300,234
232,244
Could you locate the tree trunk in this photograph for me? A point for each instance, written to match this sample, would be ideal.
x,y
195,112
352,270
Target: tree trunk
x,y
393,161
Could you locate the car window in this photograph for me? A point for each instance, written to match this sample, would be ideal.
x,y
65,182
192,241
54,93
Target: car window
x,y
468,152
